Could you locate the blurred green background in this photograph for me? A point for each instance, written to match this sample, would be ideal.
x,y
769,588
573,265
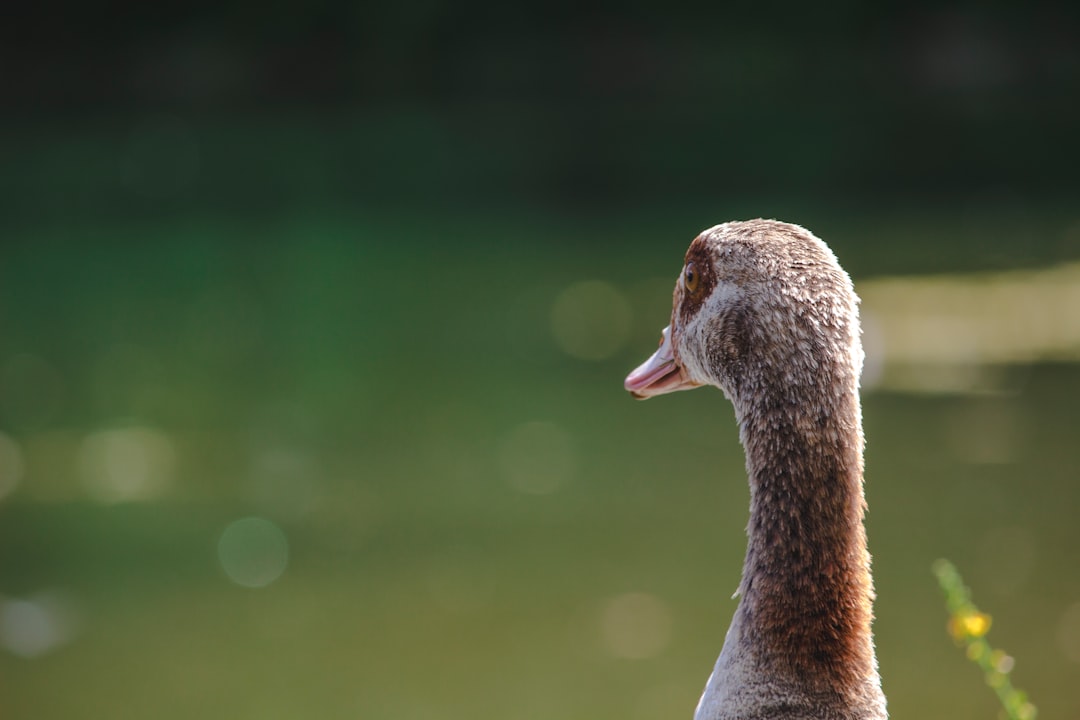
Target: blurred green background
x,y
313,325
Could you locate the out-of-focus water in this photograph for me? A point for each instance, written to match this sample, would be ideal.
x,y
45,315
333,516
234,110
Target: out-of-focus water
x,y
348,467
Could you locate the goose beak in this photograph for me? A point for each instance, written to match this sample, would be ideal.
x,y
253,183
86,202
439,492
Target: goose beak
x,y
660,374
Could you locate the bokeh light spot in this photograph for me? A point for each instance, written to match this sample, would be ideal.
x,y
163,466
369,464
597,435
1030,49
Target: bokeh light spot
x,y
591,320
126,464
538,458
254,552
283,482
35,626
635,626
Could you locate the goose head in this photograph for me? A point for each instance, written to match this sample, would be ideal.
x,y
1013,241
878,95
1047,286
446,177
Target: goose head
x,y
763,311
760,307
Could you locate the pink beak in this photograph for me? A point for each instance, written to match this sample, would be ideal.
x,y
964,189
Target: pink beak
x,y
659,374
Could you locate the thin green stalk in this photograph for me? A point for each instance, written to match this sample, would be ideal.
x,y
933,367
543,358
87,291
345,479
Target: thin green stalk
x,y
968,626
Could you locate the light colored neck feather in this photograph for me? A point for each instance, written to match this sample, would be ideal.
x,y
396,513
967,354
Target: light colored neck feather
x,y
800,645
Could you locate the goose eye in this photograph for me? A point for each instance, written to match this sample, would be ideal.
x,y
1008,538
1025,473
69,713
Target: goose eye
x,y
691,278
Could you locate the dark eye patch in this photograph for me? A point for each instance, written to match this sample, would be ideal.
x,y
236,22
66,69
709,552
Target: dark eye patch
x,y
698,254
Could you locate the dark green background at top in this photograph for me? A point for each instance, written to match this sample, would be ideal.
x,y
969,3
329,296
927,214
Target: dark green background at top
x,y
327,240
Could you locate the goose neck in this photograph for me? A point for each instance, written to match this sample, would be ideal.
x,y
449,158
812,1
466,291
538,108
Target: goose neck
x,y
806,584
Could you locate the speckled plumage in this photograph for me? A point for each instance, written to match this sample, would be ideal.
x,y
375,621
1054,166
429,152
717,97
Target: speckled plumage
x,y
772,320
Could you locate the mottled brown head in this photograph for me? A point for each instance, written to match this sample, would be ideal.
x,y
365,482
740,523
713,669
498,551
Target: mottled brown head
x,y
760,308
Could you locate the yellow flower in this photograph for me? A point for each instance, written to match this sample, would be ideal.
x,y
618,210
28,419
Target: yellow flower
x,y
972,624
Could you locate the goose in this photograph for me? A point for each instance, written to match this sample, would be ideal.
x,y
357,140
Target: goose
x,y
763,311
